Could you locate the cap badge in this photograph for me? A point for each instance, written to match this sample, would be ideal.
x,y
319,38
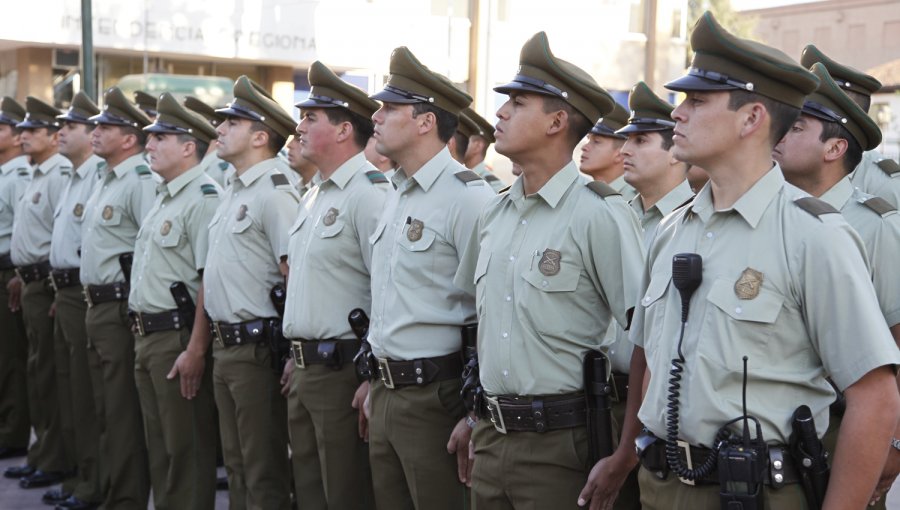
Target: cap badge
x,y
749,284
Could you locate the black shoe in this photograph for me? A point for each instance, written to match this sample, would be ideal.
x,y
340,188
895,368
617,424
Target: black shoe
x,y
19,471
55,496
9,452
40,479
74,503
222,483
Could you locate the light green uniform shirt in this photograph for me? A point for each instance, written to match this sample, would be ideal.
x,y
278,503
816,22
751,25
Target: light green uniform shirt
x,y
217,168
669,202
33,226
428,220
14,177
112,218
65,246
552,270
880,233
872,179
626,190
482,170
329,252
788,289
248,235
172,243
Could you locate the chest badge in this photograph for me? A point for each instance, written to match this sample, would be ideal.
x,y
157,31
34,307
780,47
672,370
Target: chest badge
x,y
748,285
166,228
330,217
107,212
242,212
78,210
549,264
36,197
414,233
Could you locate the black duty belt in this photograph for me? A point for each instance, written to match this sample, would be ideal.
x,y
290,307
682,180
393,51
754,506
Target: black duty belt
x,y
782,468
34,272
419,372
332,352
62,278
535,413
146,323
97,294
240,333
6,262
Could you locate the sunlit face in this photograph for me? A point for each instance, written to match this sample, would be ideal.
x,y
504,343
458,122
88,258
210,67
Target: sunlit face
x,y
704,127
522,124
74,138
599,153
107,140
645,160
166,153
801,151
317,134
395,128
234,136
37,141
9,138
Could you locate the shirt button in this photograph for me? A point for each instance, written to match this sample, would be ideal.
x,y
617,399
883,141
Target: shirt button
x,y
646,300
738,310
544,283
505,334
524,222
509,298
506,373
709,235
512,258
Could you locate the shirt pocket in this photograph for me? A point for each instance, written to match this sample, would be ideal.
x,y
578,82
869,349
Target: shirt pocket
x,y
111,216
330,231
241,226
172,238
415,260
542,301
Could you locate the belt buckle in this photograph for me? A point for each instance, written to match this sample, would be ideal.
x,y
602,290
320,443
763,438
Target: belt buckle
x,y
140,323
297,351
86,292
384,370
218,334
493,406
688,461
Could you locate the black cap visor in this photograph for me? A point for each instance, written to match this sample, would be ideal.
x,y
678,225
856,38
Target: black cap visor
x,y
105,117
522,83
236,110
392,94
699,79
645,126
601,130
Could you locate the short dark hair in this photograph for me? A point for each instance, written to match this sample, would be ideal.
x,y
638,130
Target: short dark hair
x,y
140,134
462,143
579,125
854,150
446,121
783,115
200,145
363,127
276,141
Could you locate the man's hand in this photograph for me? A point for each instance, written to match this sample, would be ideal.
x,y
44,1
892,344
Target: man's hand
x,y
606,480
286,375
361,404
189,367
460,440
14,287
891,469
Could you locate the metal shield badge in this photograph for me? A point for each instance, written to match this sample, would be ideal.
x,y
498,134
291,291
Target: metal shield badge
x,y
749,284
549,264
330,217
416,228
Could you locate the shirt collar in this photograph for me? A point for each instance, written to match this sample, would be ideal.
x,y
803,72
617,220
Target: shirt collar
x,y
347,170
88,166
178,183
15,163
675,198
51,162
128,165
553,190
839,194
256,171
618,183
752,204
429,173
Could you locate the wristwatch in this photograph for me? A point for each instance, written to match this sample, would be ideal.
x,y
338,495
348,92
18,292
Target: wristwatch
x,y
895,443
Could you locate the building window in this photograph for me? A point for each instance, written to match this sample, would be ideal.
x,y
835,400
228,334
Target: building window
x,y
637,21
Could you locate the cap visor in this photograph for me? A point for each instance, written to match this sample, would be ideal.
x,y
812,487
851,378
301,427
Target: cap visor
x,y
642,128
312,103
516,86
386,96
103,118
27,124
602,130
156,128
687,83
231,112
72,118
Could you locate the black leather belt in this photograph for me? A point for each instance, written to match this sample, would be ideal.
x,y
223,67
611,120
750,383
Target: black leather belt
x,y
419,372
535,413
333,352
782,468
34,272
97,294
240,333
62,278
6,262
146,323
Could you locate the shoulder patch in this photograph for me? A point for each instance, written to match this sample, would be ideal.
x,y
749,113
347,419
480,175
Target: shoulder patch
x,y
815,206
376,177
467,176
142,170
879,205
889,166
489,177
223,165
279,179
602,189
209,189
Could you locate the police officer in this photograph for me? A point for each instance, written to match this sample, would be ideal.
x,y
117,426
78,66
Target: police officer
x,y
77,393
782,284
382,163
817,155
216,168
15,172
303,167
30,252
875,174
417,310
556,260
112,217
248,246
174,381
650,168
481,136
329,261
601,154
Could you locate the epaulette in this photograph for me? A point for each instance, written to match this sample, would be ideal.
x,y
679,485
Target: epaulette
x,y
279,179
223,165
376,177
468,176
816,207
602,189
889,166
881,206
504,190
143,170
209,189
489,177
